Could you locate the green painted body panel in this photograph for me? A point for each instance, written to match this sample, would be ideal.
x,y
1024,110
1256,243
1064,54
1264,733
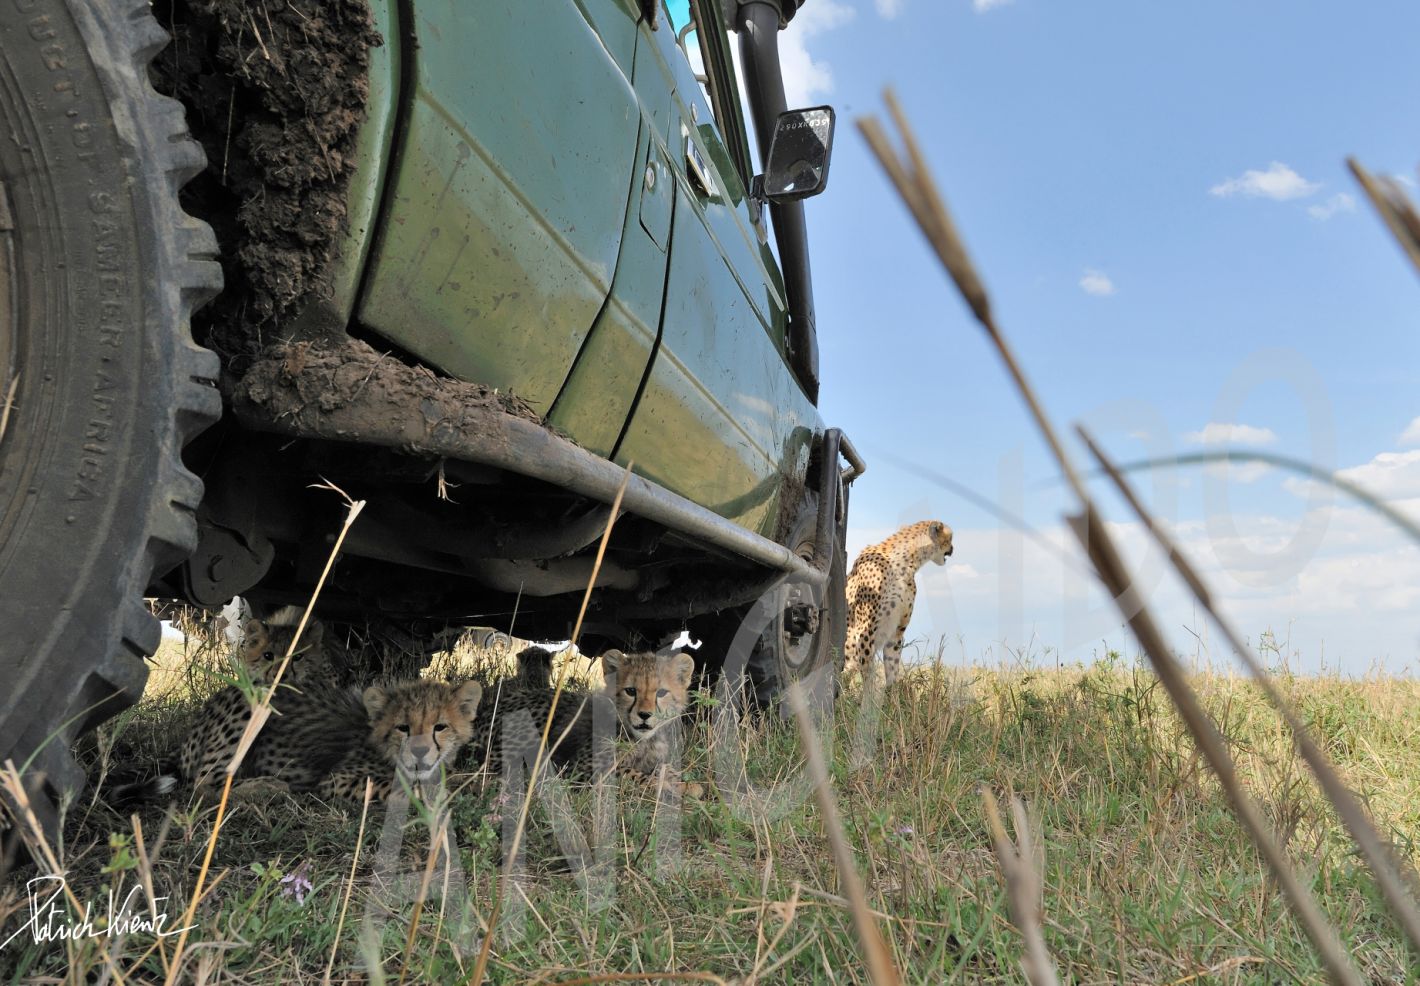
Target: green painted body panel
x,y
722,420
594,405
510,192
523,246
372,155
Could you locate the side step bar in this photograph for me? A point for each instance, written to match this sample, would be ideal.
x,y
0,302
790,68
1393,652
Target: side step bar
x,y
349,392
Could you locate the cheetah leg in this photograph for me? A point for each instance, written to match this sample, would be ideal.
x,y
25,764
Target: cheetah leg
x,y
892,651
671,779
348,784
666,778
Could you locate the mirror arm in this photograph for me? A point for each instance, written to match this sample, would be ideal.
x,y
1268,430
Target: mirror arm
x,y
757,199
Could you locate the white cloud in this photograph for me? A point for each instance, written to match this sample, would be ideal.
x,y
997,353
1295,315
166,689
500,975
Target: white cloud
x,y
1391,475
1340,202
1278,182
982,6
1216,433
807,80
889,8
1405,180
1097,282
1411,434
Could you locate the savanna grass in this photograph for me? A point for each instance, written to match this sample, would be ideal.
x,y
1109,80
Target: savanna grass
x,y
1147,875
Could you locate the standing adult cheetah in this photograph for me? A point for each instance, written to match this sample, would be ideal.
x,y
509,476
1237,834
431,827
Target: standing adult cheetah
x,y
882,588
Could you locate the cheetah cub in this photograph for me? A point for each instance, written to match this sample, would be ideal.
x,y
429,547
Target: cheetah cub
x,y
415,729
218,727
651,693
882,588
329,740
515,710
212,738
264,645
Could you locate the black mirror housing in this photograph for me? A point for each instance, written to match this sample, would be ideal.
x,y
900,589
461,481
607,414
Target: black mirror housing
x,y
799,153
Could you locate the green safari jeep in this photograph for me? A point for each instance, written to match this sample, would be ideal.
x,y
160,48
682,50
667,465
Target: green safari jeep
x,y
468,262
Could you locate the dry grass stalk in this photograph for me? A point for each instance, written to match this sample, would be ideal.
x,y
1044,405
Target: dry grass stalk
x,y
438,839
1335,480
511,853
917,189
1025,886
1396,880
1394,206
350,882
260,713
881,970
8,404
920,193
145,874
1089,528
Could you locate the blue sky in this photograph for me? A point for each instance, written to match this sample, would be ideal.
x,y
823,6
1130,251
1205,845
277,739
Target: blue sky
x,y
1157,200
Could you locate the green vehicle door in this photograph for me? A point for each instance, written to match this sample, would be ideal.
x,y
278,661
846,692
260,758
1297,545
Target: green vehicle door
x,y
510,185
597,398
722,419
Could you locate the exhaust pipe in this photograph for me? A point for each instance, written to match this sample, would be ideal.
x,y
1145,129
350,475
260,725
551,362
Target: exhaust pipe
x,y
758,23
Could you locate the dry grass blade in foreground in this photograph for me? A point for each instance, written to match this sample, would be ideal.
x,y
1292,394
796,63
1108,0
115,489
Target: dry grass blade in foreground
x,y
1396,880
880,965
259,714
1024,886
921,195
1395,208
1332,479
349,883
511,852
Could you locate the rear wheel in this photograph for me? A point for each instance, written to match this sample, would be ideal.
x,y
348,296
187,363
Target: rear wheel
x,y
795,632
102,384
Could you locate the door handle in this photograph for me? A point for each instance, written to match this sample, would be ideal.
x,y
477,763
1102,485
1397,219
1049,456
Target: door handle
x,y
697,170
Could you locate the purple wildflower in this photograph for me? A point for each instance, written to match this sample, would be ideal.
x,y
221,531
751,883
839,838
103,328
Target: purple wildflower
x,y
297,883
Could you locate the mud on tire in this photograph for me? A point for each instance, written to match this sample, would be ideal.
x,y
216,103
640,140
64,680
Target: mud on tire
x,y
99,272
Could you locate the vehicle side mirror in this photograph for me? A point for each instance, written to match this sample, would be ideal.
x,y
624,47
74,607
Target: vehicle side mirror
x,y
799,152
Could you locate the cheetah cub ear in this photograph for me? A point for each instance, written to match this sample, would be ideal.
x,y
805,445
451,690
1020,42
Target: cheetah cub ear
x,y
682,669
375,698
311,639
467,696
611,662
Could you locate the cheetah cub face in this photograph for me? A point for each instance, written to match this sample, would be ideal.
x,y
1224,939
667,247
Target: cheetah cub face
x,y
420,725
264,647
648,690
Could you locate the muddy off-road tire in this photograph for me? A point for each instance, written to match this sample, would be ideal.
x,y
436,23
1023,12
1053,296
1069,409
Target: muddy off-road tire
x,y
759,642
99,271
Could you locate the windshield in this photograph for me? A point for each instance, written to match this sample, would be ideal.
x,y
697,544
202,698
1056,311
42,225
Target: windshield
x,y
679,13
